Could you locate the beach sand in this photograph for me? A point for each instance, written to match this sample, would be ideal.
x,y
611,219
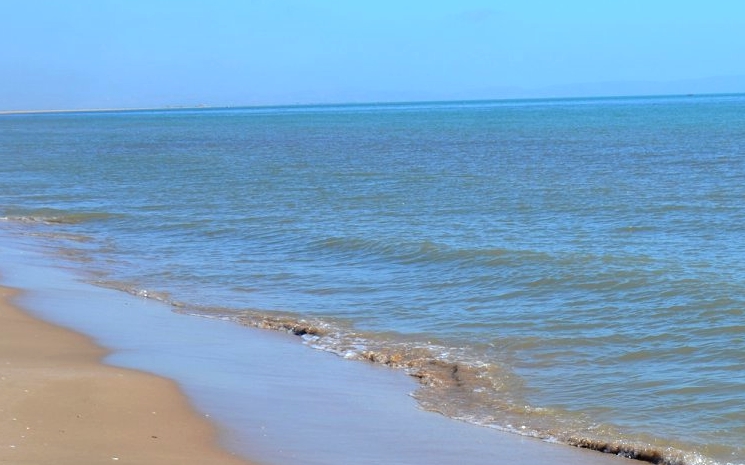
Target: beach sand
x,y
60,405
268,396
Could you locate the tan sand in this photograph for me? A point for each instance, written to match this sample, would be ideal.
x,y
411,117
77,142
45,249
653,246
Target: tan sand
x,y
60,405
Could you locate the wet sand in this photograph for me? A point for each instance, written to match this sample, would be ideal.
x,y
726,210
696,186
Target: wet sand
x,y
59,404
268,397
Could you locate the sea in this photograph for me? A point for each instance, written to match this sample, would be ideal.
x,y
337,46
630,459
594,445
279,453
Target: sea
x,y
566,269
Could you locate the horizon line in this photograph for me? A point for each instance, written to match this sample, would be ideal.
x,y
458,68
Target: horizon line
x,y
318,104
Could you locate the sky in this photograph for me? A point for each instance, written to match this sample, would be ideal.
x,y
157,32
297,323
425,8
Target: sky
x,y
77,54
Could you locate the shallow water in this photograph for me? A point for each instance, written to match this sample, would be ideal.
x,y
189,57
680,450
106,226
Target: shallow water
x,y
569,269
273,400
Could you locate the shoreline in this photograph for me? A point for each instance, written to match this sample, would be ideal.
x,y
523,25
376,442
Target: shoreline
x,y
267,396
61,404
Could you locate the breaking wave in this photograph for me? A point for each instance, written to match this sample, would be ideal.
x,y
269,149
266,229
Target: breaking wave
x,y
51,216
452,381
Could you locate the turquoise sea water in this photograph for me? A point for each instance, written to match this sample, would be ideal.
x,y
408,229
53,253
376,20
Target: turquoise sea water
x,y
568,269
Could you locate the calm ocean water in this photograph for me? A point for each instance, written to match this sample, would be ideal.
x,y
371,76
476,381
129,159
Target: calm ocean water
x,y
567,269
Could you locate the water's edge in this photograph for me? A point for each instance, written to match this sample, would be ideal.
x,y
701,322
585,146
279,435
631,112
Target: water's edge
x,y
144,334
439,373
568,271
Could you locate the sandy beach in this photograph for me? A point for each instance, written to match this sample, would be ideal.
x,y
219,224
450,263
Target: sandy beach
x,y
59,404
221,389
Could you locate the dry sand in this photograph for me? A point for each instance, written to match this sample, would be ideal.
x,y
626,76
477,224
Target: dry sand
x,y
60,405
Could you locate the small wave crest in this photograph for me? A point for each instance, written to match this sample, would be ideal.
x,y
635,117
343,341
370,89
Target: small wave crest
x,y
455,384
164,297
423,252
658,455
50,216
452,381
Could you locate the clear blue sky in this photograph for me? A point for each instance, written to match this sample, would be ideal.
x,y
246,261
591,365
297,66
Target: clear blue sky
x,y
149,53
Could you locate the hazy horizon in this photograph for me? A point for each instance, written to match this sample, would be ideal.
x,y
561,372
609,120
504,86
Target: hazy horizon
x,y
158,53
710,86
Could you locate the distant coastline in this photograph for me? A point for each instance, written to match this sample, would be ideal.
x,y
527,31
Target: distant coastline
x,y
102,110
360,102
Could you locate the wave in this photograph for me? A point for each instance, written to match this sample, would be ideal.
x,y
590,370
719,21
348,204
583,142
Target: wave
x,y
52,216
641,452
421,252
456,384
453,381
359,250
